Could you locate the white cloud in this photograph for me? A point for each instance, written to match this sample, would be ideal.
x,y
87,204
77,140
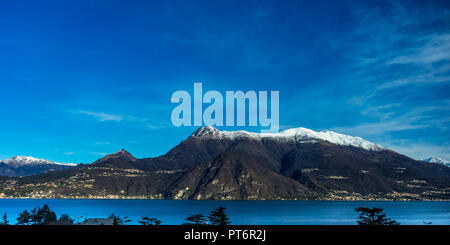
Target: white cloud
x,y
415,118
436,49
428,77
101,116
398,51
158,126
370,129
102,143
102,154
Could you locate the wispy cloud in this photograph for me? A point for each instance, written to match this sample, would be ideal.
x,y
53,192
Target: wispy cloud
x,y
159,125
428,75
102,116
399,70
388,121
102,143
150,126
390,51
369,129
102,154
381,111
70,153
436,48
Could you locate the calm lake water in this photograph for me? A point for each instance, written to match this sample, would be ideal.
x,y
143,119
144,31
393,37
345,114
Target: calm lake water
x,y
172,212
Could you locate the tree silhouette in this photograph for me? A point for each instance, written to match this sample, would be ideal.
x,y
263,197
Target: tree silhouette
x,y
196,219
373,216
218,217
117,220
64,219
149,221
4,220
24,218
38,216
43,215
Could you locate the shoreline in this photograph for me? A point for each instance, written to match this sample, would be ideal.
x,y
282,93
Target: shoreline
x,y
213,200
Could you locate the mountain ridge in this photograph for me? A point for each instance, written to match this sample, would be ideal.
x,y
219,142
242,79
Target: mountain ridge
x,y
26,165
298,134
28,160
209,165
437,160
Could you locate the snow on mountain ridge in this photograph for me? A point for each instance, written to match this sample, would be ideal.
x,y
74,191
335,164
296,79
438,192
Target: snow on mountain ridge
x,y
437,160
18,161
298,134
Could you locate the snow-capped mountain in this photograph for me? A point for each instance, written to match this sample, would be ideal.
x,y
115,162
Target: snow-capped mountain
x,y
25,165
18,161
296,164
302,135
437,160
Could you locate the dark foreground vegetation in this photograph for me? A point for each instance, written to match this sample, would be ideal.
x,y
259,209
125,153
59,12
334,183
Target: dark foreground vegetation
x,y
45,216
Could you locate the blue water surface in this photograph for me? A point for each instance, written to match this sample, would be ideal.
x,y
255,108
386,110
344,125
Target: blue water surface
x,y
173,212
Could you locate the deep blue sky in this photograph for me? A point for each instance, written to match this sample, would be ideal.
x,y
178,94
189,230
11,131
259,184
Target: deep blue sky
x,y
80,79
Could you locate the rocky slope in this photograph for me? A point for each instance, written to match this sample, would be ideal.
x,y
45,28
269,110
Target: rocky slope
x,y
297,164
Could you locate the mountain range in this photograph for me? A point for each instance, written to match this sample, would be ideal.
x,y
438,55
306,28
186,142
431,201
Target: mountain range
x,y
296,164
437,160
25,165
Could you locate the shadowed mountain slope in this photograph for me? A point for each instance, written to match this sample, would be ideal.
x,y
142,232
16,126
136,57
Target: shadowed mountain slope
x,y
212,164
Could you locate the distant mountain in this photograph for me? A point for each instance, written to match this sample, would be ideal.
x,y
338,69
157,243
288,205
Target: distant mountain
x,y
437,160
24,165
296,164
121,156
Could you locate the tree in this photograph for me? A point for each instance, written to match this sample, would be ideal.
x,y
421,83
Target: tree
x,y
35,217
117,220
149,221
43,215
196,219
373,216
24,218
218,217
4,220
64,219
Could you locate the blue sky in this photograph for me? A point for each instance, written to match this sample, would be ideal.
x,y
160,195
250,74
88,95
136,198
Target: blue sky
x,y
80,79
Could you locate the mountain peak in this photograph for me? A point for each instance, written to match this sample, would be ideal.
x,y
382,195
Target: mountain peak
x,y
437,160
120,154
206,131
299,134
122,151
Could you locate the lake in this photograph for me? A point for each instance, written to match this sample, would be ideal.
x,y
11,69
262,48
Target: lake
x,y
173,212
